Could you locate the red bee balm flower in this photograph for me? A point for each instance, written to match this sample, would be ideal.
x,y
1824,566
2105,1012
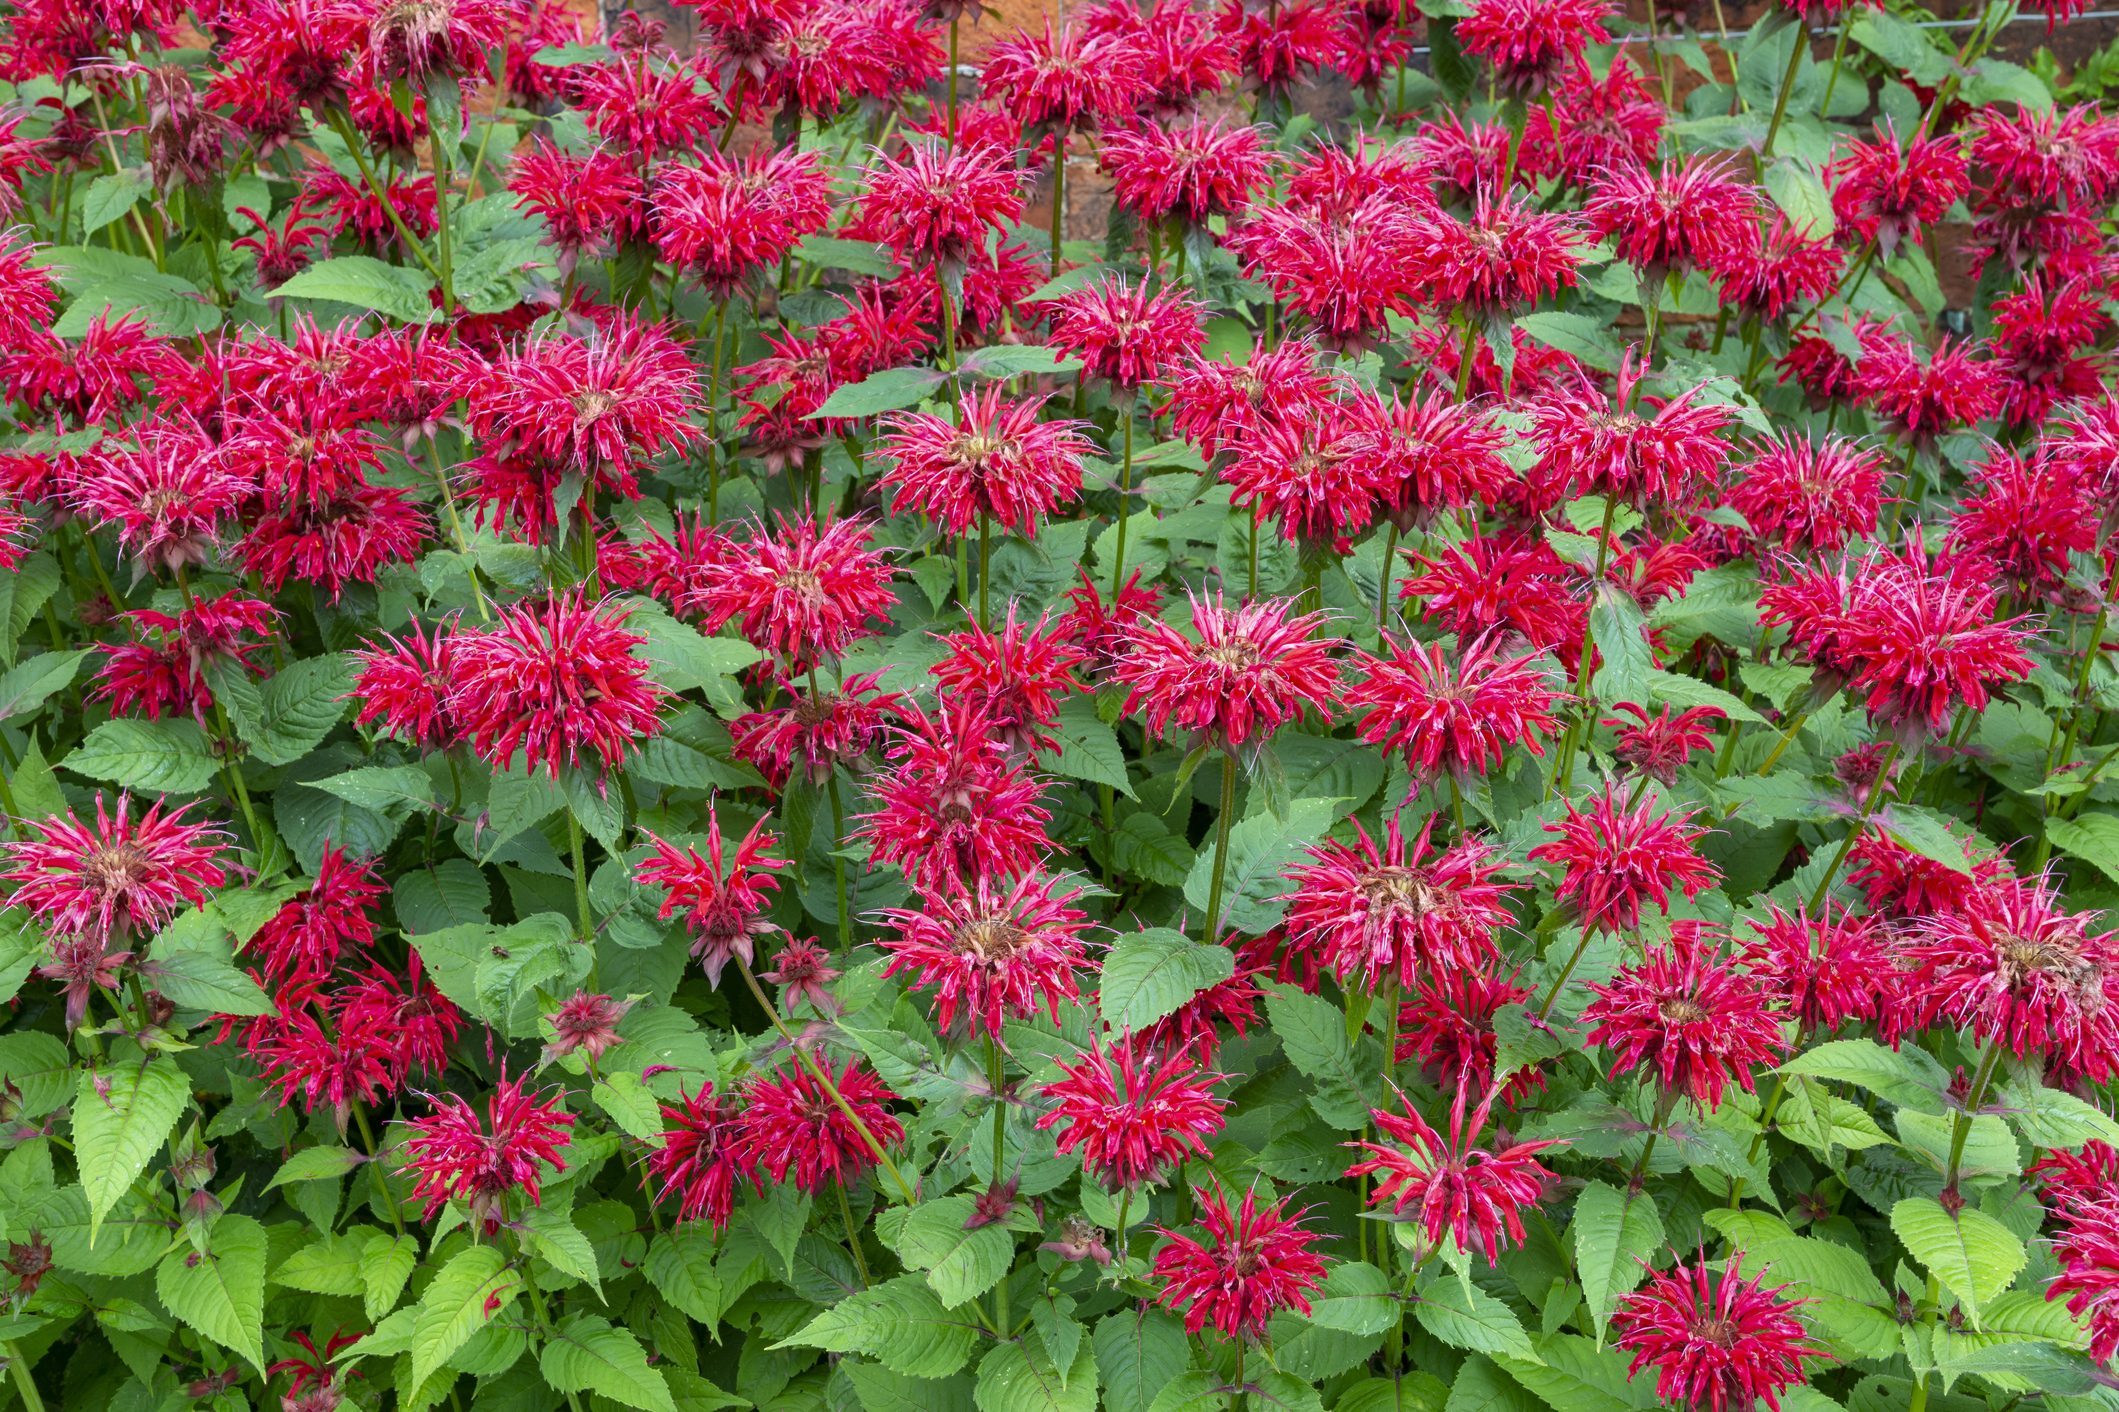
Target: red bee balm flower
x,y
1683,214
452,1155
1687,1016
991,951
122,876
1456,710
792,1125
1718,1343
1531,43
1256,1261
1890,189
1398,913
939,204
953,805
725,910
1196,169
1594,445
555,681
700,1161
1452,1184
804,594
303,941
996,459
1125,333
1617,855
1447,1023
1824,970
1132,1119
1254,669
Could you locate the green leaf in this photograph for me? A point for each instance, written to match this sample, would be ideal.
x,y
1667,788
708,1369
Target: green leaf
x,y
1483,1387
1902,45
680,1265
1974,1255
1152,973
2094,838
1622,640
1909,1077
386,1267
861,257
2051,1117
122,1115
1260,848
221,1293
1088,748
298,708
886,391
1144,845
881,1390
330,1266
560,1244
1312,1032
390,790
110,196
1924,831
366,283
455,1306
1463,1315
27,685
452,893
155,757
1139,1352
586,1354
164,303
1581,336
316,1164
1007,360
203,980
900,1324
1355,1298
1019,1377
1995,80
1612,1235
960,1264
1800,193
1670,689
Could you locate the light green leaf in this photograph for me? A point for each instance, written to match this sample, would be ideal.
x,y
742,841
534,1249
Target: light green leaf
x,y
366,283
1463,1315
960,1264
455,1306
298,708
27,685
155,757
122,1115
1152,973
221,1293
386,1267
390,790
1612,1235
2094,838
886,391
1355,1298
1974,1255
1260,848
1088,748
1019,1377
900,1324
1580,336
110,196
586,1354
316,1164
560,1244
680,1265
1909,1077
1139,1352
1800,193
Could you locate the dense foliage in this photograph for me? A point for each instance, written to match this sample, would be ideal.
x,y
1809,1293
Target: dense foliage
x,y
659,754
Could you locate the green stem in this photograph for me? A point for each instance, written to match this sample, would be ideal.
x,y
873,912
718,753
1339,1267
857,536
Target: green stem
x,y
1383,590
853,1237
985,567
997,1076
1059,191
1796,51
838,864
412,243
1560,981
713,403
1861,821
1961,1121
31,1398
1212,935
1839,52
375,1165
587,926
1125,513
542,1315
2073,732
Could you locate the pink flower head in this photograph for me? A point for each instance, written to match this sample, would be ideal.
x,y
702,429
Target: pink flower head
x,y
1426,456
1447,1024
804,973
991,950
1219,406
1823,970
2048,156
804,594
2028,520
590,204
701,1160
723,902
122,876
1502,582
1073,77
728,218
1193,170
585,1023
1015,676
164,669
1892,189
791,1126
952,804
1661,453
1396,913
1922,394
1688,213
1132,1119
1530,43
303,942
645,106
1254,668
1476,1194
556,682
451,1154
1658,744
996,459
296,1055
404,685
1508,257
815,731
1277,46
348,535
1347,272
1717,1342
1616,855
939,205
1457,708
1125,333
1770,271
2016,969
1255,1261
1309,472
88,379
1802,495
166,497
1687,1017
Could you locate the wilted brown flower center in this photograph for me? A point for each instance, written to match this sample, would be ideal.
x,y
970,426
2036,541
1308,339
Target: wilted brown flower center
x,y
1237,655
1683,1010
991,939
115,869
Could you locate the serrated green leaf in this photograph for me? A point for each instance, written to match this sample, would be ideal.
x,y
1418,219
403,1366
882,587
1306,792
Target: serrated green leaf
x,y
1974,1255
586,1354
886,391
1612,1235
1019,1377
1139,1352
221,1293
1152,973
901,1324
680,1265
298,706
29,684
155,757
559,1243
1907,1076
1260,848
960,1264
366,283
455,1306
122,1116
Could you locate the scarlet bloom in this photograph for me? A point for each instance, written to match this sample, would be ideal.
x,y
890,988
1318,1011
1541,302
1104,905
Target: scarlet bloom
x,y
1454,709
304,1061
1396,913
555,681
1891,189
303,941
1430,455
1255,1261
1133,1120
1718,1343
1218,406
2027,519
1617,855
952,804
1801,495
590,203
996,460
1658,744
804,973
701,1159
349,535
1065,78
452,1155
791,1126
1509,256
1688,1017
1193,170
1662,453
729,217
90,379
164,669
1530,43
1347,272
586,1023
991,950
1899,883
1824,970
1452,1184
723,902
122,876
404,684
645,106
1310,473
1921,397
1104,629
1502,582
1767,273
1123,332
804,594
413,1023
1015,676
939,204
1447,1023
1254,668
166,497
2048,156
815,731
1688,213
2016,969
